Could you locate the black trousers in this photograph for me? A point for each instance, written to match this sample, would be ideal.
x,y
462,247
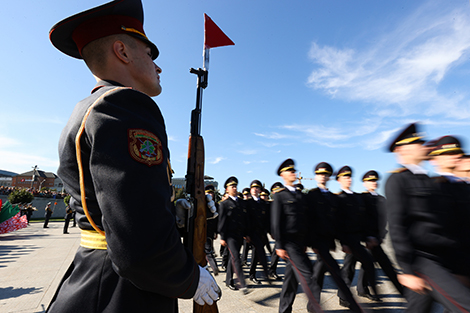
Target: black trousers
x,y
326,263
209,250
246,248
234,264
359,253
446,289
258,256
298,270
66,223
379,256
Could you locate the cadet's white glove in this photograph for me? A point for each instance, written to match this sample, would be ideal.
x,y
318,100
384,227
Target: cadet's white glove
x,y
210,203
182,208
207,291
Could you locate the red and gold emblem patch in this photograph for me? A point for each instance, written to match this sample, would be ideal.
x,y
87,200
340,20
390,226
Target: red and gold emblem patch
x,y
145,147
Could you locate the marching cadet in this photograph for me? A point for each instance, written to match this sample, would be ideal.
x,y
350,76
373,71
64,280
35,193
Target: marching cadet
x,y
321,216
418,230
352,230
212,221
246,245
377,222
259,223
113,145
289,229
246,193
233,222
277,186
264,195
455,196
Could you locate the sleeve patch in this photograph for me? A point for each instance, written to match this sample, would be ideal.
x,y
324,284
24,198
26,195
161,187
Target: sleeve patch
x,y
145,147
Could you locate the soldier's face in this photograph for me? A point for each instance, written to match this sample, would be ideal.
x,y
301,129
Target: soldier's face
x,y
145,72
345,182
255,191
322,179
447,162
231,190
371,185
289,176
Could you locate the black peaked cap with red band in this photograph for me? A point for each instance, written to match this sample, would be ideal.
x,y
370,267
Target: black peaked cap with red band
x,y
72,34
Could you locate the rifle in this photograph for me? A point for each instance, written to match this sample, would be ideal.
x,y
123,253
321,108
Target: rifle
x,y
196,235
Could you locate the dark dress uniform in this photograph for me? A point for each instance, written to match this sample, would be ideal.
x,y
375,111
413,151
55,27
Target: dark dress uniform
x,y
323,230
259,222
233,222
141,265
289,229
352,229
420,235
377,222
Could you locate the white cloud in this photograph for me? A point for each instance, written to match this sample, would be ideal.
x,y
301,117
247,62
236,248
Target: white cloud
x,y
248,152
22,161
401,73
217,160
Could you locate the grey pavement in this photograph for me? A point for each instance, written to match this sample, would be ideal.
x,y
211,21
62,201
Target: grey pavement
x,y
34,259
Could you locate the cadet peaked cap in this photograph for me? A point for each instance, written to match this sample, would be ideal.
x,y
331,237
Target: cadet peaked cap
x,y
256,183
370,176
72,34
209,188
265,192
246,191
287,165
232,180
299,187
446,145
408,136
323,168
276,186
344,171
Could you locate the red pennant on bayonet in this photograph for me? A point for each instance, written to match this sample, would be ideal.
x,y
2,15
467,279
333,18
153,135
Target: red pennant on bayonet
x,y
213,35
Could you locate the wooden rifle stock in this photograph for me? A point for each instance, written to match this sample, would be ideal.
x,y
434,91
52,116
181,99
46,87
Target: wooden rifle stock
x,y
197,224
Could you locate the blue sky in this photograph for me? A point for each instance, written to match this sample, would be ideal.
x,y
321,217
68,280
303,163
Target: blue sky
x,y
309,80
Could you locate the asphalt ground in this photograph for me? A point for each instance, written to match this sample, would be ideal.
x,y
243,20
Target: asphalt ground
x,y
33,261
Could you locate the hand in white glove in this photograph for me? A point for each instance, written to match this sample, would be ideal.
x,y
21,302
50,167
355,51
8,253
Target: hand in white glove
x,y
210,203
207,291
182,207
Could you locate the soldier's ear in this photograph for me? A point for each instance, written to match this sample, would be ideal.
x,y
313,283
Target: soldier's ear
x,y
121,51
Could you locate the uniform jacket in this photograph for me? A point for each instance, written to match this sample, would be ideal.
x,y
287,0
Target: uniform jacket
x,y
416,221
376,215
258,213
233,219
127,183
321,214
351,216
288,218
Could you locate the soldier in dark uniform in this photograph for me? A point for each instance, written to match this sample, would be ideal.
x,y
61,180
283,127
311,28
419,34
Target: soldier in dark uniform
x,y
277,186
352,230
419,231
455,197
47,215
259,222
112,147
377,223
233,222
289,229
212,221
323,231
68,216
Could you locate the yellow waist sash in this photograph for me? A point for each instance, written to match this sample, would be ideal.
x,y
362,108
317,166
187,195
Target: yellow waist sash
x,y
93,240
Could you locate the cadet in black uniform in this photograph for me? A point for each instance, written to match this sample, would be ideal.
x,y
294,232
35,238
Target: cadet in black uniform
x,y
212,222
277,186
113,148
246,245
352,230
377,223
455,197
233,222
418,230
289,229
323,230
259,223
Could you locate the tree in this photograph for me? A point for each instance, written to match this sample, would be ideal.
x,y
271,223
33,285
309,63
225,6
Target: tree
x,y
20,196
67,200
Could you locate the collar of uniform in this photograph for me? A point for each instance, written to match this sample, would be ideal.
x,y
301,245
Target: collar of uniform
x,y
349,192
105,83
323,190
290,188
415,169
233,198
255,198
373,193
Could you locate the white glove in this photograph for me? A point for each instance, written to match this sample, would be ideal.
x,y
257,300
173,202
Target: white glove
x,y
182,207
207,291
210,203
